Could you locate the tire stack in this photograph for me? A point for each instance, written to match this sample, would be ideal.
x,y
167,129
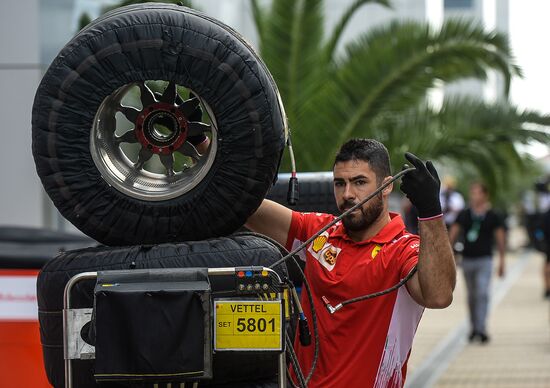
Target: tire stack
x,y
144,217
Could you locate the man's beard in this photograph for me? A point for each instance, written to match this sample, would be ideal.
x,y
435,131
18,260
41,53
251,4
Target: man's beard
x,y
361,220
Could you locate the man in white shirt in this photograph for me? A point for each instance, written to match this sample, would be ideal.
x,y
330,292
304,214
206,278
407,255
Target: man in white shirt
x,y
451,200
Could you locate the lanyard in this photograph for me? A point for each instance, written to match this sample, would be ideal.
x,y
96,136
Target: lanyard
x,y
473,232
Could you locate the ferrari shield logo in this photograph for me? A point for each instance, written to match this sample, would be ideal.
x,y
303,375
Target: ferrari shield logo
x,y
375,250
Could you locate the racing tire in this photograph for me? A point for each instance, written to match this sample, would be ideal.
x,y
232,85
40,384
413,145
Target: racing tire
x,y
231,369
80,146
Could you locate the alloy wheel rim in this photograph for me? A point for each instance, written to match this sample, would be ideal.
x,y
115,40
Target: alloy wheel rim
x,y
140,136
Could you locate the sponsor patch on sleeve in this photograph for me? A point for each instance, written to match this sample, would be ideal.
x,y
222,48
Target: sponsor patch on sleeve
x,y
324,252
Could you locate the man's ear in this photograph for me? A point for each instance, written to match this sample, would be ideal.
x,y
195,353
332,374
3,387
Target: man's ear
x,y
389,188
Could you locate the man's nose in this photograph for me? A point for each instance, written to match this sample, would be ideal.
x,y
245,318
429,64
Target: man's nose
x,y
348,192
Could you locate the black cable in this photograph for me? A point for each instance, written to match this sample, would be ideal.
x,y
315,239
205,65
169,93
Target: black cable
x,y
294,360
337,219
284,251
289,379
313,320
332,309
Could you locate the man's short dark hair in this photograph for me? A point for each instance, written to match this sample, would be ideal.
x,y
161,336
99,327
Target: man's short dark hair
x,y
367,150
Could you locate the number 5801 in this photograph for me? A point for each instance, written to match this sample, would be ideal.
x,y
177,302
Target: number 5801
x,y
253,324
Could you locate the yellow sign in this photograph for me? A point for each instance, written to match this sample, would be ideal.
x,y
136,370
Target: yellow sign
x,y
247,325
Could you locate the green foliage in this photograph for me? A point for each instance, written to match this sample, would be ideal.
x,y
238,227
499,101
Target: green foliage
x,y
378,87
84,20
471,139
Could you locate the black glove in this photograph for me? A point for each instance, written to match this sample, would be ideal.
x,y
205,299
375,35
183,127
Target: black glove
x,y
421,186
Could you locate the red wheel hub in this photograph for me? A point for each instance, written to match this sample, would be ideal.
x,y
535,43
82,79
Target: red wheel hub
x,y
161,127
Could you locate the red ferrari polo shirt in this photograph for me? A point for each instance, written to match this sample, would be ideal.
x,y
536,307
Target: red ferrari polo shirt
x,y
365,344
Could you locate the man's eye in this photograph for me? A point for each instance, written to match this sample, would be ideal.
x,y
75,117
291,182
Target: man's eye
x,y
360,182
338,184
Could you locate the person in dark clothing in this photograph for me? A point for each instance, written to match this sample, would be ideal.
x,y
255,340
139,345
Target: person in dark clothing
x,y
481,227
546,233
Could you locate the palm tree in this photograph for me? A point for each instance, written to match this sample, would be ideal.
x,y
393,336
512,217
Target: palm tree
x,y
378,87
473,139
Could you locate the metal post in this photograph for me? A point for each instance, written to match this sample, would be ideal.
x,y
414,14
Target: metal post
x,y
282,361
66,307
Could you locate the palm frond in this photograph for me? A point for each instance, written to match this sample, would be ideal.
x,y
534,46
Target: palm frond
x,y
379,86
258,18
481,136
290,46
396,65
332,42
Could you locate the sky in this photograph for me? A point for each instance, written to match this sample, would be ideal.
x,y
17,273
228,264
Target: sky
x,y
529,33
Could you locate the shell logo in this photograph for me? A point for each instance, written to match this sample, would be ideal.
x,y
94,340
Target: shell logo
x,y
375,250
319,243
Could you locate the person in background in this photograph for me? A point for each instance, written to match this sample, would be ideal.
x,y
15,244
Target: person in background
x,y
481,226
540,224
451,200
546,230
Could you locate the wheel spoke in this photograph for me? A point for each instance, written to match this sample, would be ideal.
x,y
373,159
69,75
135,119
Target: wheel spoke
x,y
167,161
189,106
144,155
128,137
197,128
169,95
110,123
188,149
146,96
130,113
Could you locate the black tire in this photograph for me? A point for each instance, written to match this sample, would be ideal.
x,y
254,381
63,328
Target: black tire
x,y
158,42
31,248
221,252
316,192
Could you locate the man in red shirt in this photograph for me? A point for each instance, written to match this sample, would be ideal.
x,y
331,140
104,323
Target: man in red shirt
x,y
367,344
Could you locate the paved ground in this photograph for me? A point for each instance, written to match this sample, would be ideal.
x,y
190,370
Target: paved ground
x,y
519,352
